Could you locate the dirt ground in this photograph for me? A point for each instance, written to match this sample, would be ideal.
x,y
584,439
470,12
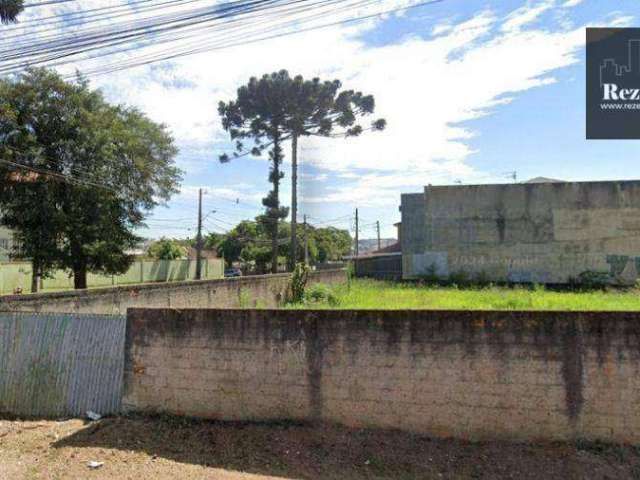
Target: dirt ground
x,y
145,448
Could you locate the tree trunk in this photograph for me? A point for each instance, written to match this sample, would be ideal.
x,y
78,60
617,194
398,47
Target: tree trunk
x,y
35,270
80,277
294,202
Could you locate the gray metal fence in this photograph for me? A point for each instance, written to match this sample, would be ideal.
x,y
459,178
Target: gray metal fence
x,y
56,365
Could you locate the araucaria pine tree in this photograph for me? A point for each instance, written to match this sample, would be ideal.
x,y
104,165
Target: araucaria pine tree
x,y
277,108
259,114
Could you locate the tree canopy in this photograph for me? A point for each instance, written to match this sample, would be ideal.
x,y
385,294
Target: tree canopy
x,y
278,107
10,9
94,169
167,249
249,243
259,114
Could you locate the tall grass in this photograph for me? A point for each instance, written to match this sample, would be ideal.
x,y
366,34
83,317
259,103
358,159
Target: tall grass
x,y
372,294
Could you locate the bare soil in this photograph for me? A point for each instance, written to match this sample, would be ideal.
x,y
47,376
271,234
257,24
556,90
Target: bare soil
x,y
146,448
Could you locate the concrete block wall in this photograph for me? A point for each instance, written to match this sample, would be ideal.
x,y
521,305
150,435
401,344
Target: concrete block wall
x,y
531,232
473,375
253,291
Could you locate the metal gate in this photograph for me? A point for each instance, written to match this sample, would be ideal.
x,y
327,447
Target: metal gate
x,y
60,364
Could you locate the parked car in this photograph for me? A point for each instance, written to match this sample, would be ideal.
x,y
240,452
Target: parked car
x,y
232,272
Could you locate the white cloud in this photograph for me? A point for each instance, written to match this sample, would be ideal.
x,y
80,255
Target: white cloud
x,y
425,86
441,28
239,192
525,15
571,3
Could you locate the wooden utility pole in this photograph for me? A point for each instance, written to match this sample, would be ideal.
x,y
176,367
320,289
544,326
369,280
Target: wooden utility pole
x,y
357,240
199,239
294,202
378,230
306,243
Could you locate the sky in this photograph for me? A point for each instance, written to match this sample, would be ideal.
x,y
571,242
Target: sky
x,y
472,91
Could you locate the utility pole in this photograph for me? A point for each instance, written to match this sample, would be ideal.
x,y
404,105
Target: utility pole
x,y
199,239
294,202
306,242
357,240
378,230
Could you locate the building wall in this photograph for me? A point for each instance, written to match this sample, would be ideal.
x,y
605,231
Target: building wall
x,y
258,291
474,375
543,232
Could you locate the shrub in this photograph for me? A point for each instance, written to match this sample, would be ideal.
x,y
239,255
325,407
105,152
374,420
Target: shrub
x,y
459,278
321,293
298,283
430,276
590,280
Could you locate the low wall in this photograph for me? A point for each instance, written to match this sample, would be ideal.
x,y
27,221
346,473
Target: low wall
x,y
17,275
57,365
258,291
475,375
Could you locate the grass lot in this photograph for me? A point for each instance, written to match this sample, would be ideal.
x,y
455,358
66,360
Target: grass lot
x,y
372,294
143,448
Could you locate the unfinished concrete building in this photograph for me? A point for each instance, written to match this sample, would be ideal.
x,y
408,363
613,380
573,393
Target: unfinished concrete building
x,y
545,232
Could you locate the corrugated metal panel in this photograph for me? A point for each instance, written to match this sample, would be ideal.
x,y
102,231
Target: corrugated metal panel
x,y
57,365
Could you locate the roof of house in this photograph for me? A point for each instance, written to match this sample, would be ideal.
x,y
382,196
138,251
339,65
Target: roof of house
x,y
191,253
543,180
393,248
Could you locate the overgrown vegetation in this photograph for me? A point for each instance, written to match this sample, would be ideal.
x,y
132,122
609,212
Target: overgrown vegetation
x,y
167,249
372,294
298,283
248,243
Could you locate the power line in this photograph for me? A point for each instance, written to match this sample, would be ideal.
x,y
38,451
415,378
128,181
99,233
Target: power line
x,y
82,40
214,47
81,17
49,2
58,175
62,50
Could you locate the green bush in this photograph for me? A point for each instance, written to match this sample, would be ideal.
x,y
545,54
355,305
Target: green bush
x,y
430,277
590,280
321,293
298,283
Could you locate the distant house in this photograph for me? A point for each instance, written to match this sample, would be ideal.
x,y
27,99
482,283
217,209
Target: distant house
x,y
392,247
192,254
543,180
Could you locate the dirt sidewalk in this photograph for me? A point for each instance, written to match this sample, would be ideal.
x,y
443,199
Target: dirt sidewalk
x,y
143,448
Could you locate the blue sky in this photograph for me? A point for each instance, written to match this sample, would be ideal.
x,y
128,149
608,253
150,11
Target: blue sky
x,y
471,90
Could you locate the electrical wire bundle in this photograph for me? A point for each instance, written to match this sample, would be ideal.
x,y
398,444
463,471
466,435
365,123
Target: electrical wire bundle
x,y
147,31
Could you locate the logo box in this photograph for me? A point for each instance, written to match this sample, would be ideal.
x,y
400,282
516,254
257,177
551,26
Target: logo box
x,y
613,83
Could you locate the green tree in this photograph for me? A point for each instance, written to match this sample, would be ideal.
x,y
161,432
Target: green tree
x,y
278,107
242,235
167,249
320,108
19,195
19,190
259,114
213,240
9,10
98,167
333,243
